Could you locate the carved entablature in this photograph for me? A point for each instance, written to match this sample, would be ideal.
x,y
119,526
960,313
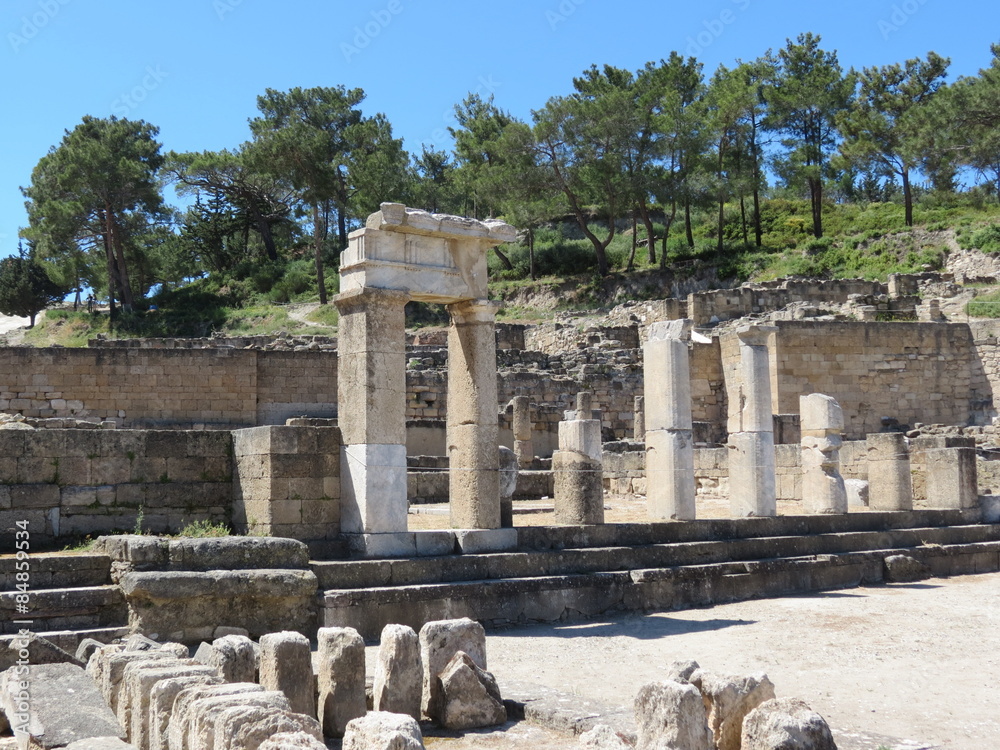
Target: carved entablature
x,y
432,257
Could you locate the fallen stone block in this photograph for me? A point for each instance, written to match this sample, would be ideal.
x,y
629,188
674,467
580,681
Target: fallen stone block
x,y
86,649
341,678
203,713
681,671
128,695
440,640
603,737
398,684
113,673
727,700
62,704
247,727
904,569
100,743
139,642
36,650
381,730
786,724
161,705
180,720
286,665
671,716
141,679
470,698
233,655
292,741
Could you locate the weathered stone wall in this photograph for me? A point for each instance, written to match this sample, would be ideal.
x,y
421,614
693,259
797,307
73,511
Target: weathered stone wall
x,y
75,482
908,372
729,304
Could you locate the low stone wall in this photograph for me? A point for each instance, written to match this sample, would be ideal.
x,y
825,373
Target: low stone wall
x,y
183,589
76,482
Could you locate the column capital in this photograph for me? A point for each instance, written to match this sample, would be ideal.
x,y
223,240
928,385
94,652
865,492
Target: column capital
x,y
755,335
474,311
671,330
370,295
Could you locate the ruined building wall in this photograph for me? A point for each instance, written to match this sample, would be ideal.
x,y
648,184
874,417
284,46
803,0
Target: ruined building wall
x,y
75,482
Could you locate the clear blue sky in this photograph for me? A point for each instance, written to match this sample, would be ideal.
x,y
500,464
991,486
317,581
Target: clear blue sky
x,y
195,67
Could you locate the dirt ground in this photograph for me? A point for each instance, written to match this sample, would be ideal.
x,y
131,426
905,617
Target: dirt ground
x,y
904,666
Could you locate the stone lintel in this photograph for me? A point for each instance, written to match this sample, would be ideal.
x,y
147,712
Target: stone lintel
x,y
395,217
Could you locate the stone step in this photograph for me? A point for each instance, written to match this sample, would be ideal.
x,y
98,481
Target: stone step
x,y
426,570
510,601
78,608
48,570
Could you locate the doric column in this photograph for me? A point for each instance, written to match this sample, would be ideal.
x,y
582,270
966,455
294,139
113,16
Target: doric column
x,y
751,458
670,485
371,395
889,485
473,430
822,420
578,467
522,427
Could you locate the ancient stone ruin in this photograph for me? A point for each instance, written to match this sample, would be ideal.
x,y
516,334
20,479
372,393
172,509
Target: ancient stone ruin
x,y
416,488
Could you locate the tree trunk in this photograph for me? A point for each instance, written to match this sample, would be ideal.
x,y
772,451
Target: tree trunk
x,y
128,302
816,196
907,197
504,259
668,221
630,266
722,223
758,231
342,227
112,266
531,253
743,220
318,250
264,229
647,221
687,221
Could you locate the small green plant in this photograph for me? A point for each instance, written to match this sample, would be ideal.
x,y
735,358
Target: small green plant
x,y
139,518
130,455
164,479
83,545
204,528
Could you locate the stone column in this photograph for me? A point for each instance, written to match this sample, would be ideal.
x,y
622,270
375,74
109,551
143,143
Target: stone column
x,y
371,394
751,458
639,420
822,421
578,467
670,484
889,486
523,447
473,429
950,464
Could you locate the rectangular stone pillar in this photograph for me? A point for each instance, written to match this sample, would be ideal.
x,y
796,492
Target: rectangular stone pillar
x,y
473,429
371,393
752,460
578,467
889,485
524,448
670,483
822,424
950,465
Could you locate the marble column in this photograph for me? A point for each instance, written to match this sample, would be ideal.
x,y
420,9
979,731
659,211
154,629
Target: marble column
x,y
522,427
670,483
473,429
578,467
371,394
822,421
752,489
889,485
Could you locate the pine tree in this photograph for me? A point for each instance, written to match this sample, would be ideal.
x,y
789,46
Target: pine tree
x,y
25,288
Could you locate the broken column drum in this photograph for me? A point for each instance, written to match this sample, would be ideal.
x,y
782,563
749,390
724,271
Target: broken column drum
x,y
521,423
578,467
403,254
889,485
670,483
822,420
751,456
